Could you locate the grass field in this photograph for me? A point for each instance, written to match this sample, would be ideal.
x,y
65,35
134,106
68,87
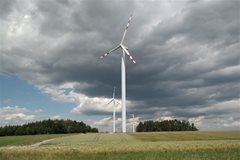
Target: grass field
x,y
132,146
187,136
26,140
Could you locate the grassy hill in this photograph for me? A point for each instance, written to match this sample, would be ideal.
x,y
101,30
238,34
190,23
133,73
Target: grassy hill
x,y
161,145
187,136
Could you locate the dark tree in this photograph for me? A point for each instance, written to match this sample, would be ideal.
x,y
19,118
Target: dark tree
x,y
47,127
166,125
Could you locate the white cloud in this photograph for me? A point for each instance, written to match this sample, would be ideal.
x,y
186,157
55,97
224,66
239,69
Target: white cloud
x,y
38,110
225,106
134,121
164,115
196,120
12,110
20,116
91,105
65,93
56,117
166,118
102,122
9,114
232,124
105,124
58,94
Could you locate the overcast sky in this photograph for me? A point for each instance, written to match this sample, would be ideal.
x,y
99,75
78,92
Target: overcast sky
x,y
187,54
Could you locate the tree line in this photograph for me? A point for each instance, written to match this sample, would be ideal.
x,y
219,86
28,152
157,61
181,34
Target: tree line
x,y
47,127
166,125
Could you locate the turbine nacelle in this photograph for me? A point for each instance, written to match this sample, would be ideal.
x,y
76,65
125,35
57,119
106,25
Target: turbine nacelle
x,y
124,48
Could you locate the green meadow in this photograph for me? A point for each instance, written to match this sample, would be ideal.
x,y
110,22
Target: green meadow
x,y
26,140
216,145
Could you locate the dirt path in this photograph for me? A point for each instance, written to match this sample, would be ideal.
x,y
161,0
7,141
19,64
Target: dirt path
x,y
41,143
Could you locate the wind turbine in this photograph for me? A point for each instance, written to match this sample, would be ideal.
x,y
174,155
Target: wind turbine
x,y
114,102
123,73
133,127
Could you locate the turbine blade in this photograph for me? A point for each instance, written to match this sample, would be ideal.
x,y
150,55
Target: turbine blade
x,y
127,52
124,34
116,102
114,49
110,102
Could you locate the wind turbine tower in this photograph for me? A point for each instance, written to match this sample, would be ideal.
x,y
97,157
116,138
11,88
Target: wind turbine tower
x,y
114,110
123,73
133,126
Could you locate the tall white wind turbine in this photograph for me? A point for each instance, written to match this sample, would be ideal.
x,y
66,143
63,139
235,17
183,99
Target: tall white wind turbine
x,y
123,73
114,110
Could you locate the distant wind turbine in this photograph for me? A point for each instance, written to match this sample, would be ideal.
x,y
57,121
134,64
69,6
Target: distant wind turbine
x,y
133,127
123,73
114,110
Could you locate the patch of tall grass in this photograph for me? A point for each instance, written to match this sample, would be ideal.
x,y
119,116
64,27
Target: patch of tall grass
x,y
186,135
72,154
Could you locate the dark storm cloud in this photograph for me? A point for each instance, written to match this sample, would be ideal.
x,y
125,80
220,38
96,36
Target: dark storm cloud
x,y
190,59
214,22
6,7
